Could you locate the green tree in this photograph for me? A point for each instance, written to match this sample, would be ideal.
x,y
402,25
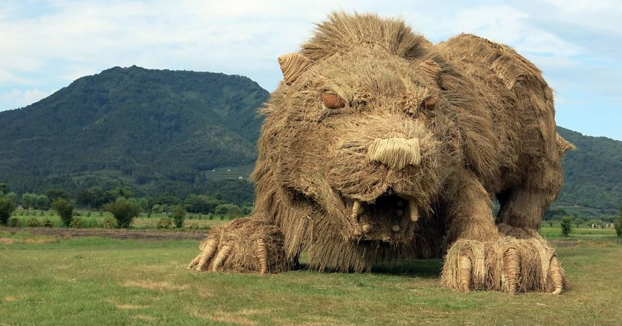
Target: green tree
x,y
53,194
99,197
11,195
230,210
7,207
144,204
84,198
4,188
201,203
566,225
179,215
123,210
618,225
64,208
29,200
42,202
157,208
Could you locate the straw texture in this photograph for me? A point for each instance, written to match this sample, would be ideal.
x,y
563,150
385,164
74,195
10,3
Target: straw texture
x,y
380,145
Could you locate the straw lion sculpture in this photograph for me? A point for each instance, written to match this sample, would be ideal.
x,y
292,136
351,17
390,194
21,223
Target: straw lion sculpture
x,y
379,145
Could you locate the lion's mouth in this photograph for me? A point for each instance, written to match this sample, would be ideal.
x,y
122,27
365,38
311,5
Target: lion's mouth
x,y
389,218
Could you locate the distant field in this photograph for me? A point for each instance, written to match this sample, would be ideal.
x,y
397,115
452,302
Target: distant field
x,y
94,219
238,172
48,280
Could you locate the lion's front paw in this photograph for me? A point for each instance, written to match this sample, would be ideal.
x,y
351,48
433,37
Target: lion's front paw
x,y
244,245
508,264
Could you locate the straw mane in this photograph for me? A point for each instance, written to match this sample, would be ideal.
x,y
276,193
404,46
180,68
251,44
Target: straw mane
x,y
341,32
379,145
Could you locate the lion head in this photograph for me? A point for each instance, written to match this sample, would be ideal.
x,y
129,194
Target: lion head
x,y
359,128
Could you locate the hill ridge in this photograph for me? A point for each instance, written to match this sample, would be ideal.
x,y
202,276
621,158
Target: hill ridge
x,y
164,131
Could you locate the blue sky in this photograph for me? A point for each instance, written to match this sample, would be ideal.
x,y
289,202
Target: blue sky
x,y
45,45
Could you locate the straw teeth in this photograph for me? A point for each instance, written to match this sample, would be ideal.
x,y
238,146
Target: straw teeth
x,y
414,211
357,209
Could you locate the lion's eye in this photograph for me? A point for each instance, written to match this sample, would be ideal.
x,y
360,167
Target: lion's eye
x,y
429,103
332,101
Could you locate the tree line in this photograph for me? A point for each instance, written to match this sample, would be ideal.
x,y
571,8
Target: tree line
x,y
120,201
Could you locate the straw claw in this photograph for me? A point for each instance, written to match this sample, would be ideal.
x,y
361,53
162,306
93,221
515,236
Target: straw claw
x,y
244,245
508,265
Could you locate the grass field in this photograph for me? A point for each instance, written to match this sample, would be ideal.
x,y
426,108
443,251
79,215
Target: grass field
x,y
46,280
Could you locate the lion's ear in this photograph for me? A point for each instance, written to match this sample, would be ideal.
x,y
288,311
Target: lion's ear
x,y
292,65
431,68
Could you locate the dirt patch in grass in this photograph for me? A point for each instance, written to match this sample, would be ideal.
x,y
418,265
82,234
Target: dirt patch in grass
x,y
235,318
130,306
564,243
144,318
111,233
155,285
6,241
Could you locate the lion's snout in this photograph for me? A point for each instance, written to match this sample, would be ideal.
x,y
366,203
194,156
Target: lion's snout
x,y
395,153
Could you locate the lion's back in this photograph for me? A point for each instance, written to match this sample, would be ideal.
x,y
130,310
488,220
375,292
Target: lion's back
x,y
518,100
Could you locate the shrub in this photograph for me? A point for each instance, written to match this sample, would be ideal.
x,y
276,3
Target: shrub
x,y
77,223
7,207
33,223
179,215
64,208
165,223
48,223
617,223
14,222
109,223
566,226
194,226
123,210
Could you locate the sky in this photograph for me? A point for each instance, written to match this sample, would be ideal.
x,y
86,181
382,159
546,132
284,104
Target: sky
x,y
45,45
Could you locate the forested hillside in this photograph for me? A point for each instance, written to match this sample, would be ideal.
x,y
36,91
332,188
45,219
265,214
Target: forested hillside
x,y
156,130
160,132
593,175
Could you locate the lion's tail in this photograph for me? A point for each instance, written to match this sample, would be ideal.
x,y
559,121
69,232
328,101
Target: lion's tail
x,y
564,145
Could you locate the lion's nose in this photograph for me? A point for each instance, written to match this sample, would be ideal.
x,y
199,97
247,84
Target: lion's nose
x,y
395,153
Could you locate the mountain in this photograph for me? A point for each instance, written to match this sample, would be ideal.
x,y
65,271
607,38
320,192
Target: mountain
x,y
592,175
148,128
183,132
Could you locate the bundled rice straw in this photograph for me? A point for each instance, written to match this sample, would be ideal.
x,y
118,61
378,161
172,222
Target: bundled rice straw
x,y
380,145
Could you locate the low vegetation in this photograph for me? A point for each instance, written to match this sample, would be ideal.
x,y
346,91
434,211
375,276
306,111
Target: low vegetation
x,y
566,225
83,281
64,208
178,215
123,210
7,207
618,225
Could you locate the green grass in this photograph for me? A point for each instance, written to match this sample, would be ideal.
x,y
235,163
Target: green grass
x,y
52,281
582,233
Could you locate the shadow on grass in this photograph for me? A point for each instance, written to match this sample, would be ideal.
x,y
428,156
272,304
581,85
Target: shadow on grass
x,y
427,268
418,267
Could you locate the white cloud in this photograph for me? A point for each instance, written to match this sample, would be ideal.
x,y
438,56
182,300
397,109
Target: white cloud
x,y
15,98
48,44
